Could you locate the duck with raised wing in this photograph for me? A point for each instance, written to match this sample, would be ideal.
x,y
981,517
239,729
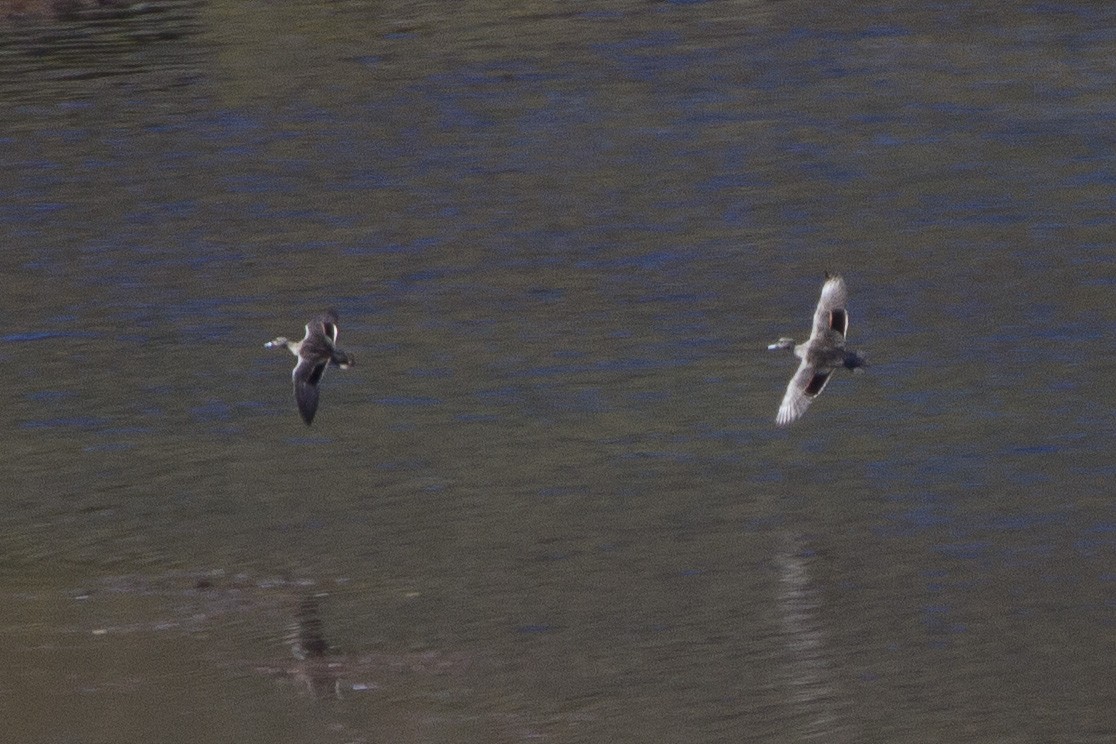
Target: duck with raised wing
x,y
316,351
821,354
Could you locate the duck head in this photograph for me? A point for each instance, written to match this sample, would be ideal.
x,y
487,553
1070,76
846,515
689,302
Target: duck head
x,y
783,343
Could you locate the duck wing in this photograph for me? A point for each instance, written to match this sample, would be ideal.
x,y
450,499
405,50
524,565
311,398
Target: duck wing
x,y
832,313
327,323
807,384
307,374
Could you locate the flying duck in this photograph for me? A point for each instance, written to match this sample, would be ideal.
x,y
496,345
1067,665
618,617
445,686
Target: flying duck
x,y
316,351
821,354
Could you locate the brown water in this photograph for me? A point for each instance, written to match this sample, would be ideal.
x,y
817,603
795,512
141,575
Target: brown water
x,y
550,503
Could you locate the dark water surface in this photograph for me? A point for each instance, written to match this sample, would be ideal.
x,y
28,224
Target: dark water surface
x,y
550,503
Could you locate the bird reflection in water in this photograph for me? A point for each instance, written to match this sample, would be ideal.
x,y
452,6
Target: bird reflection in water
x,y
323,671
314,669
814,695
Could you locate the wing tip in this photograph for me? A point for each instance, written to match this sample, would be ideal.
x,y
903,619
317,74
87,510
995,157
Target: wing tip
x,y
306,396
786,416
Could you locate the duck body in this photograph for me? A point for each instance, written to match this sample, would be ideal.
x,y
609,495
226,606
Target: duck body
x,y
315,352
830,353
821,354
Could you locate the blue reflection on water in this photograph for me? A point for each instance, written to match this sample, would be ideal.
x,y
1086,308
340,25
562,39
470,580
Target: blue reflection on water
x,y
70,422
966,551
409,401
49,396
214,410
45,335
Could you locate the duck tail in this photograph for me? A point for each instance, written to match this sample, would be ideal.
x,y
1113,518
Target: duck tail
x,y
340,359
